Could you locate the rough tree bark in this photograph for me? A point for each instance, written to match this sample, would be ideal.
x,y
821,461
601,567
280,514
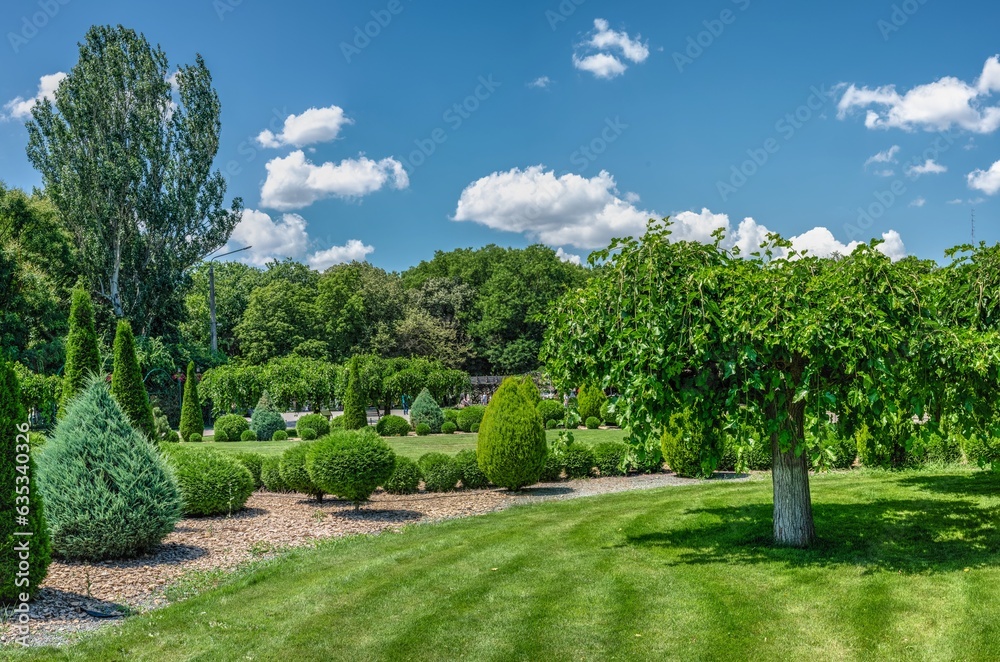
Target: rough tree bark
x,y
793,517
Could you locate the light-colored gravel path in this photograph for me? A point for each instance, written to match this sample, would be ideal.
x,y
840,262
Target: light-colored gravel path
x,y
269,523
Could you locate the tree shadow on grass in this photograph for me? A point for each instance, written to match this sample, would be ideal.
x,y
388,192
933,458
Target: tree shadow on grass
x,y
976,483
899,535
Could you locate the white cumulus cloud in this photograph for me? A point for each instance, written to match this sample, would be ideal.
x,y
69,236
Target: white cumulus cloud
x,y
568,257
928,167
316,125
938,106
605,51
293,182
888,156
19,108
277,239
987,181
353,251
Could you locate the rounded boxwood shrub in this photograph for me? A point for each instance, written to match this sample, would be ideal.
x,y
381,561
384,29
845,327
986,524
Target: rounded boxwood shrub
x,y
471,415
294,472
589,401
211,482
448,428
279,435
254,462
475,428
319,423
593,423
426,410
450,415
609,458
423,430
392,426
248,435
551,410
552,470
350,464
265,422
441,472
473,477
405,478
511,446
551,424
336,423
270,474
230,427
308,434
687,449
578,461
108,493
195,438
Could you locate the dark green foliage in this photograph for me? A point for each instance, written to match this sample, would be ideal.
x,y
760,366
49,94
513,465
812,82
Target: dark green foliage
x,y
405,478
552,470
230,427
355,412
475,428
15,451
426,410
195,438
448,428
551,410
609,458
470,416
589,401
473,477
350,464
688,449
248,435
294,472
192,419
279,435
392,426
450,416
254,463
578,461
83,357
607,417
511,446
651,461
756,451
441,472
270,474
211,482
593,423
108,493
318,422
888,450
162,425
126,382
423,430
983,451
336,423
308,434
265,422
552,424
942,448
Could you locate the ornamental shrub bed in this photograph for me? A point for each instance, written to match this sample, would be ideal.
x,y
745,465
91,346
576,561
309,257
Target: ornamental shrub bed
x,y
254,464
405,478
211,482
393,426
470,416
425,410
441,472
551,410
319,423
578,461
295,474
609,458
593,423
423,430
350,464
270,474
230,427
473,477
279,435
265,422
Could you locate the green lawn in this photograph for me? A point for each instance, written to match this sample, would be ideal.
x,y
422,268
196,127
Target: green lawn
x,y
411,446
906,570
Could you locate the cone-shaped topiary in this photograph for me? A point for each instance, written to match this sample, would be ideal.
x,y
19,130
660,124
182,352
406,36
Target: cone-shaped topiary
x,y
589,401
426,410
108,492
126,383
266,419
83,357
511,447
264,402
529,391
192,419
350,464
689,449
355,413
15,453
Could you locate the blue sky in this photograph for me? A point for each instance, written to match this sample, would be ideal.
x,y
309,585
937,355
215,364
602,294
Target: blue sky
x,y
458,124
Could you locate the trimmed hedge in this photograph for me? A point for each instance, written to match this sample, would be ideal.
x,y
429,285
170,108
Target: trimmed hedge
x,y
192,419
609,458
470,416
127,386
248,435
475,428
254,462
295,474
551,410
279,435
441,472
425,410
230,427
450,415
308,434
355,413
265,422
108,493
405,478
270,474
511,446
448,428
211,482
589,401
473,477
392,426
318,422
195,438
552,470
423,430
578,461
552,424
593,423
350,464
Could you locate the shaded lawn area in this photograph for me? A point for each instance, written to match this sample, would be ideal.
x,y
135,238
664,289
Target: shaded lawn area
x,y
906,569
411,446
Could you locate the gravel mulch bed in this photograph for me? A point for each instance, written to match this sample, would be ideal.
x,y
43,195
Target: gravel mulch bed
x,y
269,523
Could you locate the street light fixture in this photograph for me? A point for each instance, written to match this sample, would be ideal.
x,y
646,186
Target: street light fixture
x,y
211,293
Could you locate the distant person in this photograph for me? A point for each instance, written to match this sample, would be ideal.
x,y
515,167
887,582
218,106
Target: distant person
x,y
406,405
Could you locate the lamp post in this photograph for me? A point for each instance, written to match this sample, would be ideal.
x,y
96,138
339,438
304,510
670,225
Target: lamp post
x,y
211,293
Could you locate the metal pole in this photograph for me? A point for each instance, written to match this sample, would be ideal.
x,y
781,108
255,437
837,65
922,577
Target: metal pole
x,y
211,293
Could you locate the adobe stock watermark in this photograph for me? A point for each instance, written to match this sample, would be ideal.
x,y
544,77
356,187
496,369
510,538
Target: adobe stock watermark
x,y
249,147
364,34
900,15
223,7
785,129
591,151
454,117
22,535
32,24
562,12
714,28
885,199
